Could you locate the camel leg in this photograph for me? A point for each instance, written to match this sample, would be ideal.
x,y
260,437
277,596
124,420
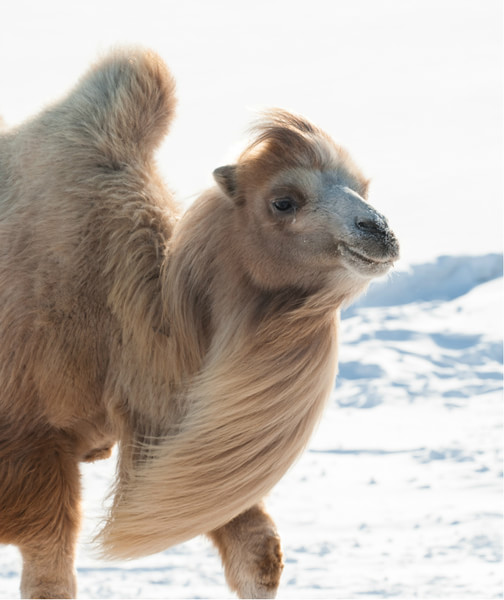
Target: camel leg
x,y
48,572
41,514
249,546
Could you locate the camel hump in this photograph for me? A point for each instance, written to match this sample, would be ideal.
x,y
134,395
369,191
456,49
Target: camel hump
x,y
122,107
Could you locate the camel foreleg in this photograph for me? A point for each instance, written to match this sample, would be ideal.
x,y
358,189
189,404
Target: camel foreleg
x,y
251,554
40,512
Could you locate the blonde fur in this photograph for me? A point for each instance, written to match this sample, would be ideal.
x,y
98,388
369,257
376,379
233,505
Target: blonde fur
x,y
205,346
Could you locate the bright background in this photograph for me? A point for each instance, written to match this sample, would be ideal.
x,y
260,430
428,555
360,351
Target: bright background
x,y
413,88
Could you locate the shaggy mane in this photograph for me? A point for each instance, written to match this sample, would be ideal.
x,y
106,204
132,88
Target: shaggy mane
x,y
214,465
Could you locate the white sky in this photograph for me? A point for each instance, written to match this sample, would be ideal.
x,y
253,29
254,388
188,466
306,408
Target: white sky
x,y
413,88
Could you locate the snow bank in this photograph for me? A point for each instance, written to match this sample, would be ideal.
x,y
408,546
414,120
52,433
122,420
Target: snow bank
x,y
445,279
433,331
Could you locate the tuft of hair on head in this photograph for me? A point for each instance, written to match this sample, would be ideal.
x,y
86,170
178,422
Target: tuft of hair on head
x,y
282,140
296,140
279,119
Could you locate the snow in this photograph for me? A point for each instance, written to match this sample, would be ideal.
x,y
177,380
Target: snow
x,y
400,491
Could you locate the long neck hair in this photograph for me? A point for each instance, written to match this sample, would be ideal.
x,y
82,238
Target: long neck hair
x,y
252,371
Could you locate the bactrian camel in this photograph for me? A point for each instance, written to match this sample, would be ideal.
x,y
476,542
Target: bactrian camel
x,y
203,344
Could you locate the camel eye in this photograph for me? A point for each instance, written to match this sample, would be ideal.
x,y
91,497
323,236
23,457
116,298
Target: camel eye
x,y
284,205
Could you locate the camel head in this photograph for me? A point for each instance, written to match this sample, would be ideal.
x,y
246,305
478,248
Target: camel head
x,y
300,214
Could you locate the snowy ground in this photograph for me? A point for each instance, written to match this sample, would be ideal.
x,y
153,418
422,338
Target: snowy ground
x,y
400,492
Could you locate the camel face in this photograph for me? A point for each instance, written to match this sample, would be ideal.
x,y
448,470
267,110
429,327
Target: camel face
x,y
301,218
304,224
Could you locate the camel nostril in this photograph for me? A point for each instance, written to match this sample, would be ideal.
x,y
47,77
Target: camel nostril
x,y
370,225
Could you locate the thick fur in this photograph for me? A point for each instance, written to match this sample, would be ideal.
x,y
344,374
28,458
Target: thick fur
x,y
184,339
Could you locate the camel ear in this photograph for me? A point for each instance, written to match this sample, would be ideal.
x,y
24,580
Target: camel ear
x,y
226,179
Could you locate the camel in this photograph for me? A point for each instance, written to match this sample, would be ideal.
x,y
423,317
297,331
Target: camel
x,y
203,343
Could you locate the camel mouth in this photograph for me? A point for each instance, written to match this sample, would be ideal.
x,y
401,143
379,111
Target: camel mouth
x,y
364,263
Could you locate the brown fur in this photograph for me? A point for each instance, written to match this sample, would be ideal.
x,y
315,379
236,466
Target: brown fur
x,y
206,345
